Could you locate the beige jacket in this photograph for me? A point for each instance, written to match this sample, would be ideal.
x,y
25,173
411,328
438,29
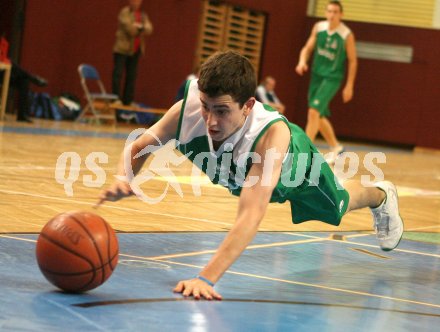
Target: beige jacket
x,y
127,32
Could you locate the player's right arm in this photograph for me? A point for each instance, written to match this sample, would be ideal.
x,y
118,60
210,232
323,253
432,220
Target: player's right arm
x,y
305,53
164,130
254,199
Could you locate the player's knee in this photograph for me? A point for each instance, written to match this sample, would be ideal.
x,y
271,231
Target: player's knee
x,y
313,115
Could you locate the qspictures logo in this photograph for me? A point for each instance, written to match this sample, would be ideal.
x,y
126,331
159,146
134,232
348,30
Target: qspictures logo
x,y
229,170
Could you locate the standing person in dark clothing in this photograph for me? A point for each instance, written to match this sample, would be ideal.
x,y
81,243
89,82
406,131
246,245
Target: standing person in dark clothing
x,y
20,80
133,26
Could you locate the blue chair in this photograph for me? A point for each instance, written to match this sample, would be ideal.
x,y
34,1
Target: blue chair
x,y
98,100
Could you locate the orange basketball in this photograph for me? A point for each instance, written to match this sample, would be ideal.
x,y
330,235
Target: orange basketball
x,y
77,251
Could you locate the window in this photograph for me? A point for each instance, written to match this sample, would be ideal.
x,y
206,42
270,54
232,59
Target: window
x,y
224,26
420,13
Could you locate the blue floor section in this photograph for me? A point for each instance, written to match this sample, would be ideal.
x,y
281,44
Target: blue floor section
x,y
315,286
60,132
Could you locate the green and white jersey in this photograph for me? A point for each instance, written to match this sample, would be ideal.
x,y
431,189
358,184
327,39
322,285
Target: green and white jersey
x,y
306,180
230,164
330,53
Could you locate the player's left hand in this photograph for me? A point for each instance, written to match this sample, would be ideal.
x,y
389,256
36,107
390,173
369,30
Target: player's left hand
x,y
198,289
347,94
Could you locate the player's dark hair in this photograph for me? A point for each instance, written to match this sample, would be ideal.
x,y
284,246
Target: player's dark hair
x,y
337,3
228,73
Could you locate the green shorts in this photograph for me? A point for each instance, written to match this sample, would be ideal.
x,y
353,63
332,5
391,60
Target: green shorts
x,y
320,196
321,92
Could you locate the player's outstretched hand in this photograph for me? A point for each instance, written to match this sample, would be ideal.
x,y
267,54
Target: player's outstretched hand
x,y
198,289
119,189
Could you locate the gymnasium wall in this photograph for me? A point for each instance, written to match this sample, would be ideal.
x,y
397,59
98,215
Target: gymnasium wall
x,y
396,103
6,18
83,31
59,35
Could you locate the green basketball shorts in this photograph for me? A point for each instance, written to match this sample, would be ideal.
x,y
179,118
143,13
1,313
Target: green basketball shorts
x,y
321,92
320,196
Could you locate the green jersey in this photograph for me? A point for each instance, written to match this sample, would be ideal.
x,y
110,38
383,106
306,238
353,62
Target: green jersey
x,y
230,164
330,54
313,189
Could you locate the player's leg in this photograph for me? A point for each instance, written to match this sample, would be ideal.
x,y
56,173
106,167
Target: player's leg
x,y
321,197
327,131
361,196
313,115
327,91
321,92
312,126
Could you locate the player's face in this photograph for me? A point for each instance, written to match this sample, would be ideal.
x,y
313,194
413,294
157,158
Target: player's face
x,y
270,84
135,4
333,14
223,116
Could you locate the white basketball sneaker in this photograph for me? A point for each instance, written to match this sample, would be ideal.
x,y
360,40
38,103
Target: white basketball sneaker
x,y
387,221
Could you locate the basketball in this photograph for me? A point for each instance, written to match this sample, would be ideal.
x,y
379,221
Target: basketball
x,y
77,251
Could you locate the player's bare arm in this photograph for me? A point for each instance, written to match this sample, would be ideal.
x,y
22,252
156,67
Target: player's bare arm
x,y
306,52
350,46
252,207
165,130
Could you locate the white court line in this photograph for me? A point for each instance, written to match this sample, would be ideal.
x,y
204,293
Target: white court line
x,y
362,234
115,207
394,250
422,228
250,247
318,237
17,238
303,235
415,192
376,246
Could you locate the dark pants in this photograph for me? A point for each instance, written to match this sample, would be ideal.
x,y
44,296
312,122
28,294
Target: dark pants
x,y
20,80
129,63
